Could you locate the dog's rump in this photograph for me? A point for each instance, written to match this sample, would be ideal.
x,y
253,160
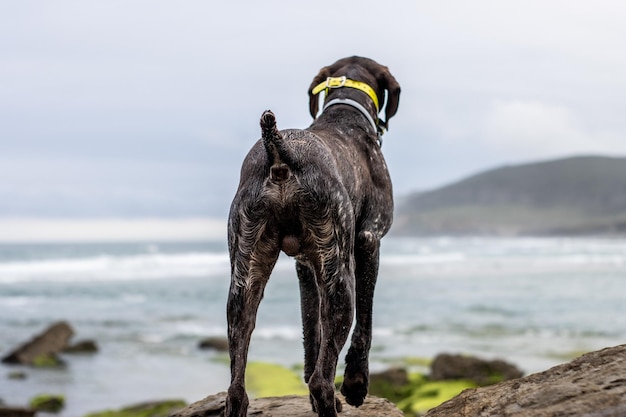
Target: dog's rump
x,y
293,197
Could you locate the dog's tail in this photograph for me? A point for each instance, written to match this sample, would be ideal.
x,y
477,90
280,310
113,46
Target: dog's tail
x,y
279,156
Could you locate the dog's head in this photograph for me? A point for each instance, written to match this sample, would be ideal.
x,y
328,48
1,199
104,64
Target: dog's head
x,y
366,71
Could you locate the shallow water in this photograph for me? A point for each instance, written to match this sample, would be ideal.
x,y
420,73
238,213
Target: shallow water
x,y
534,302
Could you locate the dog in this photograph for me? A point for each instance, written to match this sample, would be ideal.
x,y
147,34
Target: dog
x,y
322,195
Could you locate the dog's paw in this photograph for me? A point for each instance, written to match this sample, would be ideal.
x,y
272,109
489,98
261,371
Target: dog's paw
x,y
354,388
338,405
236,402
324,402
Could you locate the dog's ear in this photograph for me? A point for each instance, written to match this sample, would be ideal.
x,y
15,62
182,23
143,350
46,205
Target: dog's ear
x,y
314,99
389,83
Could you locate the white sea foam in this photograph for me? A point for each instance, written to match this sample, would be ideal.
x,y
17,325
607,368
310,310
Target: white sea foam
x,y
278,332
20,301
112,268
463,254
421,258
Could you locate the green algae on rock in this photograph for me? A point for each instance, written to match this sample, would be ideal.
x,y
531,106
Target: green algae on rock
x,y
47,360
48,403
415,394
272,380
147,409
430,394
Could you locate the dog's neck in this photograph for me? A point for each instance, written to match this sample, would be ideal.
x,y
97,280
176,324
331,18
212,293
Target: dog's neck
x,y
356,105
371,128
374,128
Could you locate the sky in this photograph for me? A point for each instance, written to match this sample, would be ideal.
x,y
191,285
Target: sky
x,y
145,109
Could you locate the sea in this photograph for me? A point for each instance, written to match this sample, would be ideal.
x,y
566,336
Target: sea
x,y
535,302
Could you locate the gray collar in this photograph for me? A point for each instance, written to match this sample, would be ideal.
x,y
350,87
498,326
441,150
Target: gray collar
x,y
357,106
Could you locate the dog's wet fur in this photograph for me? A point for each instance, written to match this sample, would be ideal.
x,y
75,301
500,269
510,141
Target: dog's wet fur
x,y
322,195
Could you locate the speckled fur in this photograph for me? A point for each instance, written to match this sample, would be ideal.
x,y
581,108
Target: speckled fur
x,y
324,196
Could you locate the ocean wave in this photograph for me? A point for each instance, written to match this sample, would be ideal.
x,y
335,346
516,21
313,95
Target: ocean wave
x,y
422,258
21,301
115,262
116,268
278,333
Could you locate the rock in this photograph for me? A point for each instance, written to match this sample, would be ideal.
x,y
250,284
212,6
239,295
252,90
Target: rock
x,y
17,375
48,360
216,343
48,403
147,409
288,406
482,372
211,406
593,385
42,349
6,411
392,384
396,377
83,346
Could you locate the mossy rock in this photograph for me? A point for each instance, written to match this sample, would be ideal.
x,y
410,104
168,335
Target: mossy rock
x,y
392,384
82,347
414,393
429,394
148,409
48,403
219,344
271,380
47,360
17,375
483,372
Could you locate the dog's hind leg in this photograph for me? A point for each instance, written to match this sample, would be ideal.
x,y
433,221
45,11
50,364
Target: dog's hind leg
x,y
356,377
253,253
336,310
310,307
334,274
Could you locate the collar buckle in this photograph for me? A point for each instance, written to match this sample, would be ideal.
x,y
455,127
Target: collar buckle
x,y
336,82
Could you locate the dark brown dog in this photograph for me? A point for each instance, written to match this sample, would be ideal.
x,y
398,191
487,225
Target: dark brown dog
x,y
322,195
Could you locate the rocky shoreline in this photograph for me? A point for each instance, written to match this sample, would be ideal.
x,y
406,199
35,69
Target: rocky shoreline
x,y
591,385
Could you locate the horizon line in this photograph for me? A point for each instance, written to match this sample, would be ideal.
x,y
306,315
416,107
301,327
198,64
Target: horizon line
x,y
113,229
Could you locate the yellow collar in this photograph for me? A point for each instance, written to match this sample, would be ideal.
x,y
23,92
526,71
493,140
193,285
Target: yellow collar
x,y
338,82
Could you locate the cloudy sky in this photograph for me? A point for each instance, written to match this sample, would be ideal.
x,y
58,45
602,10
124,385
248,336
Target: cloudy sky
x,y
145,109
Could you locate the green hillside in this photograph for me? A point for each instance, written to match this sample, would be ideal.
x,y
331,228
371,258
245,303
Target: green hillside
x,y
580,195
